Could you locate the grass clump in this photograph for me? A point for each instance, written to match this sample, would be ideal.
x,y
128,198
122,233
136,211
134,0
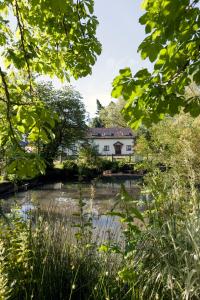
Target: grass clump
x,y
44,258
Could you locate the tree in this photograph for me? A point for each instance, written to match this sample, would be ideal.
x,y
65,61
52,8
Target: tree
x,y
96,121
99,107
173,46
89,155
45,37
170,153
111,115
70,124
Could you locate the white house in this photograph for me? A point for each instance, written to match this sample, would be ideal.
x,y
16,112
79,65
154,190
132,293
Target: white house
x,y
108,141
112,141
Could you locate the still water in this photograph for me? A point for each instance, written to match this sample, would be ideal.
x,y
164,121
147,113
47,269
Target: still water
x,y
62,199
99,196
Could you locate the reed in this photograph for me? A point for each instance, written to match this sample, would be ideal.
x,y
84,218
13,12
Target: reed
x,y
45,257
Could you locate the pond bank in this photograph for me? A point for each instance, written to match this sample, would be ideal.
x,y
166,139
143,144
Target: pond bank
x,y
7,188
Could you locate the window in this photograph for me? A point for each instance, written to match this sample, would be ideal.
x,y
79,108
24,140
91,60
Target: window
x,y
128,147
106,148
96,147
74,148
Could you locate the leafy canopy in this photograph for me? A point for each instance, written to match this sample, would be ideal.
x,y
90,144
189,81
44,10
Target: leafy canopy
x,y
39,37
110,115
173,46
70,124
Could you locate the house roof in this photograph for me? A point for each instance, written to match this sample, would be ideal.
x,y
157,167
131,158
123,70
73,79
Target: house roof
x,y
114,132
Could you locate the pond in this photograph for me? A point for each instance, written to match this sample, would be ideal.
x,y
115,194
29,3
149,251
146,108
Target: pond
x,y
62,200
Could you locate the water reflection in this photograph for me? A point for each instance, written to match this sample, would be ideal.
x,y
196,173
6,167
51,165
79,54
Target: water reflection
x,y
61,199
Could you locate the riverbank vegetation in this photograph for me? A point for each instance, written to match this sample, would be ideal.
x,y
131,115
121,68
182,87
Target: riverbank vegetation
x,y
157,255
154,255
43,257
89,164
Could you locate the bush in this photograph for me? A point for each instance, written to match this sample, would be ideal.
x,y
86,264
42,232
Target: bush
x,y
123,166
71,167
106,164
88,171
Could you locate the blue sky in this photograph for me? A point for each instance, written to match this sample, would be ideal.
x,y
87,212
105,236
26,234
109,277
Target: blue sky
x,y
120,33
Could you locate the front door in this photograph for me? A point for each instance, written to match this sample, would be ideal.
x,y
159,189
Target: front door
x,y
118,149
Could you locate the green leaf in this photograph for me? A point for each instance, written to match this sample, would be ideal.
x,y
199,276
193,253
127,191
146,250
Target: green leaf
x,y
104,248
137,213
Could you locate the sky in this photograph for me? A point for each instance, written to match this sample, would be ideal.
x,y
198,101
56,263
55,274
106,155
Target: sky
x,y
120,34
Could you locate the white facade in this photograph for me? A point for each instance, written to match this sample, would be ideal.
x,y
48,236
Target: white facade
x,y
107,146
107,141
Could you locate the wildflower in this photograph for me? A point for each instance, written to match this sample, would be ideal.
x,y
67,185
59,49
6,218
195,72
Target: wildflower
x,y
195,257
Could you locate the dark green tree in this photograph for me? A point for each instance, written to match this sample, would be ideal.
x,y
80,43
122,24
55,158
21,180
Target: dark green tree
x,y
70,113
99,107
96,121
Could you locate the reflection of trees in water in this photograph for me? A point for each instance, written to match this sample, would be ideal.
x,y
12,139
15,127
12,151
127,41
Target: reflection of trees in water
x,y
60,203
61,199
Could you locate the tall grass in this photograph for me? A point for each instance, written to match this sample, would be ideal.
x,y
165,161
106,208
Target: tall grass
x,y
158,256
168,261
47,258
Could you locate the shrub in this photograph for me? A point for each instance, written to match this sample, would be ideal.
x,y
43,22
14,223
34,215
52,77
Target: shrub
x,y
88,171
106,164
71,167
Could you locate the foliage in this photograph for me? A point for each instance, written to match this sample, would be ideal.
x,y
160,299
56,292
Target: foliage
x,y
107,164
172,45
96,122
111,115
161,255
71,167
52,259
70,124
39,37
88,154
171,156
168,261
99,107
89,165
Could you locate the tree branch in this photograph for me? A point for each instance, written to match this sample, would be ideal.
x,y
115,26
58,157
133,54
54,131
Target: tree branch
x,y
21,29
8,106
